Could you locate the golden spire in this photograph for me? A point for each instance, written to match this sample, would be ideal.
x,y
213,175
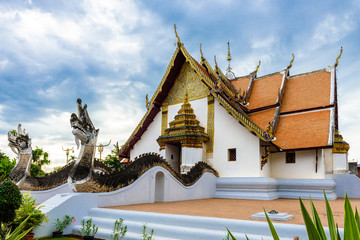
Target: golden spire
x,y
337,59
229,74
177,36
186,97
229,55
257,68
202,56
291,62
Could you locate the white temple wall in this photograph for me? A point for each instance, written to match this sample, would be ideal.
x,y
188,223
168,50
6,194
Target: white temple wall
x,y
172,155
230,134
148,142
304,166
200,110
340,163
266,170
328,156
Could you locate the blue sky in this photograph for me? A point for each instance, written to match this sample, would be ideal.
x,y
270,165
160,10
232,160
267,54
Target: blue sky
x,y
112,53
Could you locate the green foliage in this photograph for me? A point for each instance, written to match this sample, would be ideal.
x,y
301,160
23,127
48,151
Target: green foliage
x,y
60,225
10,200
112,160
119,230
6,165
72,158
272,228
28,209
39,158
88,229
145,235
17,234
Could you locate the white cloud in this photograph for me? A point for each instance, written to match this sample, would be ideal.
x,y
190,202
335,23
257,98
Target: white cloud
x,y
332,29
263,42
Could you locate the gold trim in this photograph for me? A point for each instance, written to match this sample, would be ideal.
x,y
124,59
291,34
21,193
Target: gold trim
x,y
265,157
291,62
210,124
340,146
164,118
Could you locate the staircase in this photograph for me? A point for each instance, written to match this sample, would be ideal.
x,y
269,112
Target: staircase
x,y
171,226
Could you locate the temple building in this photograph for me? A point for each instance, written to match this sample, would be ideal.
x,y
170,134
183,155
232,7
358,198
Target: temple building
x,y
274,126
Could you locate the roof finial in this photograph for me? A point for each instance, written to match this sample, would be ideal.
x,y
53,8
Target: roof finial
x,y
202,56
229,74
216,66
177,36
337,59
186,96
291,62
257,68
229,54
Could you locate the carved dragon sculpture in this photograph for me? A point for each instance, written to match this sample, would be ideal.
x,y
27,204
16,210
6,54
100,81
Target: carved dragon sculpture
x,y
20,144
84,132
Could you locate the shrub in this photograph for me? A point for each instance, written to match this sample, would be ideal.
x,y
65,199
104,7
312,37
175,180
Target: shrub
x,y
60,225
119,230
10,200
88,229
28,209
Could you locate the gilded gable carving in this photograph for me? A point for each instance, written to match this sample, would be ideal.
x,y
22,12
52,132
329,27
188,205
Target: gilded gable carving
x,y
187,81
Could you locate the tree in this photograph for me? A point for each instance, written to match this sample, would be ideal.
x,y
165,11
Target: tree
x,y
39,158
6,165
10,200
112,160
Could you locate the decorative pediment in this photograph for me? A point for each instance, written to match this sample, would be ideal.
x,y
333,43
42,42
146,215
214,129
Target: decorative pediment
x,y
184,129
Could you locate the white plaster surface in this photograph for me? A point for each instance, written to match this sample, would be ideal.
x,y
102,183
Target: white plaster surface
x,y
143,190
229,133
304,166
148,142
72,204
172,156
189,157
42,196
247,188
328,156
273,217
340,163
349,183
172,226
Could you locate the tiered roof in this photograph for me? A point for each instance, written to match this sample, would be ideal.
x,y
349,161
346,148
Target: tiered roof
x,y
287,112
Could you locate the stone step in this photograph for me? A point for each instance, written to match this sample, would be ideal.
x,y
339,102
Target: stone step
x,y
172,226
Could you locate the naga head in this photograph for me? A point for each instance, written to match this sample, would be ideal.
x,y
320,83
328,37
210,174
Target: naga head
x,y
83,128
19,141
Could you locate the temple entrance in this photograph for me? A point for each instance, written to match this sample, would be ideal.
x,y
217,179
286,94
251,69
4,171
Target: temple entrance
x,y
173,155
159,186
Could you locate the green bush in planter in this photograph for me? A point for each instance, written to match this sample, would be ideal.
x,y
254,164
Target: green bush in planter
x,y
28,209
10,200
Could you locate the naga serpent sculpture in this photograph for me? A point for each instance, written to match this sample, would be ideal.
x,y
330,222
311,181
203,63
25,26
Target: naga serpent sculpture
x,y
84,132
80,175
20,144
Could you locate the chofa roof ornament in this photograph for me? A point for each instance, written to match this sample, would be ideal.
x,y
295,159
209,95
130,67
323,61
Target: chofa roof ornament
x,y
177,36
291,62
338,58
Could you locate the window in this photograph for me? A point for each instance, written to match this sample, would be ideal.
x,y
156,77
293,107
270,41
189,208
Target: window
x,y
232,154
290,157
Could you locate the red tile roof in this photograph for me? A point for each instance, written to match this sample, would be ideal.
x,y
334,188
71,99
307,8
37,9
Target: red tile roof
x,y
307,91
303,130
265,91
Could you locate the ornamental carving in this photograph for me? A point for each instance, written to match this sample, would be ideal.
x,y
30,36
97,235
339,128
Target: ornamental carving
x,y
185,129
340,146
187,81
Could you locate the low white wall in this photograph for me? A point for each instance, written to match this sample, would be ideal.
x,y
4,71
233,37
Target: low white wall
x,y
72,204
143,189
304,166
42,196
349,183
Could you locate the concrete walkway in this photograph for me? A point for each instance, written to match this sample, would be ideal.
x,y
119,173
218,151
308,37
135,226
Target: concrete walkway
x,y
243,209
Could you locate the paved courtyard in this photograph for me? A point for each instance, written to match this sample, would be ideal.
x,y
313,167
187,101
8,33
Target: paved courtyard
x,y
243,209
